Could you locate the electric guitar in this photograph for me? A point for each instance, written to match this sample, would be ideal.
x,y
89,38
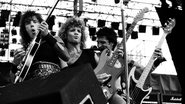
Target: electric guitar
x,y
26,62
138,94
106,65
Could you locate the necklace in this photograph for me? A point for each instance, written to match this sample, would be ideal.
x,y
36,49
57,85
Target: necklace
x,y
74,56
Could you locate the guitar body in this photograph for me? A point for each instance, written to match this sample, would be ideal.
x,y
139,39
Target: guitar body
x,y
102,61
137,94
104,66
141,94
27,63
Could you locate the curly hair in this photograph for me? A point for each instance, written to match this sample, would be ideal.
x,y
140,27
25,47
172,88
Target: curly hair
x,y
27,16
73,22
109,33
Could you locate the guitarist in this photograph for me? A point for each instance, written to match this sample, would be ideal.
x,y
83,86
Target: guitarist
x,y
107,38
139,68
46,60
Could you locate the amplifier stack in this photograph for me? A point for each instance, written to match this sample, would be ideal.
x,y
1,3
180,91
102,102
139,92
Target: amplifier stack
x,y
171,98
158,98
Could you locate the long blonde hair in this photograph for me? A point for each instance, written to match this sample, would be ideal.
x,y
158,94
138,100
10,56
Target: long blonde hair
x,y
73,22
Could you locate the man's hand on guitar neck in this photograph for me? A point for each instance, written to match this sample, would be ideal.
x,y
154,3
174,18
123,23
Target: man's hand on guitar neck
x,y
158,57
119,50
44,29
158,53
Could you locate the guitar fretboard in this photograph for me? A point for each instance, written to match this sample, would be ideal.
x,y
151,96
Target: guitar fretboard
x,y
150,64
115,55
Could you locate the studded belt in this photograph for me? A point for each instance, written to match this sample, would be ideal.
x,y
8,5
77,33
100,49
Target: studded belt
x,y
43,69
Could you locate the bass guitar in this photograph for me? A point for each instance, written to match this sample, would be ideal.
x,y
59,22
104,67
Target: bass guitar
x,y
106,65
26,62
137,93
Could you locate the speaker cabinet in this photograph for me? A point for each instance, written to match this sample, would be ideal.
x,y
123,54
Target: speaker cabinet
x,y
77,85
153,98
171,99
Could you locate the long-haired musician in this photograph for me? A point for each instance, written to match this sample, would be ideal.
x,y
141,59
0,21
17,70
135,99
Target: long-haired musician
x,y
46,60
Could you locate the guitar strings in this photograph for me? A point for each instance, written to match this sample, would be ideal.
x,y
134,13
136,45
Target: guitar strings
x,y
134,94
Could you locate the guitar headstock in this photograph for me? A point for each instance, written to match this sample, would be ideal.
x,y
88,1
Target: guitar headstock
x,y
140,15
169,25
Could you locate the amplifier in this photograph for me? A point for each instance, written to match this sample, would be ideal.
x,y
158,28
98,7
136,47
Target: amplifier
x,y
75,85
171,99
152,98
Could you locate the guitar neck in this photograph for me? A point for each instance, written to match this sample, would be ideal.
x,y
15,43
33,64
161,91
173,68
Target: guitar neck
x,y
130,30
150,64
145,73
115,55
38,39
162,40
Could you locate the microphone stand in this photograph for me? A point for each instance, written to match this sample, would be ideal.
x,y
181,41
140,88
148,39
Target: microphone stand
x,y
125,57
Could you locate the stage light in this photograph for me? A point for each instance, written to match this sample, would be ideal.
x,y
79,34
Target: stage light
x,y
12,53
92,31
116,1
125,2
134,35
5,14
14,32
17,19
120,33
128,25
155,30
2,52
101,23
14,40
115,25
142,28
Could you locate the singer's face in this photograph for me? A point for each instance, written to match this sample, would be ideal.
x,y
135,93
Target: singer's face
x,y
103,42
74,35
31,25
